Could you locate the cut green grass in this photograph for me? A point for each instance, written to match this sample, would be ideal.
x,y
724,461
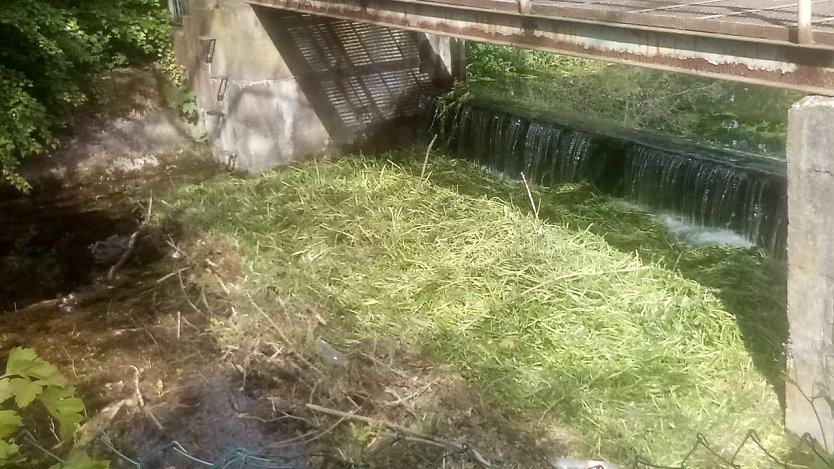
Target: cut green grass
x,y
590,319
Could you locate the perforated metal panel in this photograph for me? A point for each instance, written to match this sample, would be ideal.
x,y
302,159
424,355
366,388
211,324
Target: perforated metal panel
x,y
356,76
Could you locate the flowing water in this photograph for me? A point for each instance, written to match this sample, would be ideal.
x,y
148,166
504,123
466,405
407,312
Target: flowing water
x,y
725,196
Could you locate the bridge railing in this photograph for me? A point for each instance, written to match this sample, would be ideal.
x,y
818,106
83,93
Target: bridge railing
x,y
804,18
805,34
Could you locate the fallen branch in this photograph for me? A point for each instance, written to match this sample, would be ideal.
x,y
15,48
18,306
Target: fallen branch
x,y
400,429
131,244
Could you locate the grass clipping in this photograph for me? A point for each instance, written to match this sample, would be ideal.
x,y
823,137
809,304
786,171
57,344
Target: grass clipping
x,y
550,320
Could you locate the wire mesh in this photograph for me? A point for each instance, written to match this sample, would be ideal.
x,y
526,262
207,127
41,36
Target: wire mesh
x,y
425,456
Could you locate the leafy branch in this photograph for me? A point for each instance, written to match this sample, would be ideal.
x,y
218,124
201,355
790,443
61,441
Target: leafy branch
x,y
29,378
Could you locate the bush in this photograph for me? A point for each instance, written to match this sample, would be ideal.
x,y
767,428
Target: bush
x,y
49,50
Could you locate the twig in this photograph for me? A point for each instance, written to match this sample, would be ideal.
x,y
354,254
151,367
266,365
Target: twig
x,y
131,244
414,439
426,161
381,363
147,331
222,285
329,429
313,436
283,337
154,419
72,362
136,391
530,195
296,440
398,428
416,393
182,287
166,277
286,416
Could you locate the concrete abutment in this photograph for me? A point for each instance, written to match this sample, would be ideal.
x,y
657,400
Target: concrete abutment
x,y
810,370
274,86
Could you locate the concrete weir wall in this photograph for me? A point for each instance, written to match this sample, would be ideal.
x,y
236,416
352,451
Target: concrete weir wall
x,y
274,86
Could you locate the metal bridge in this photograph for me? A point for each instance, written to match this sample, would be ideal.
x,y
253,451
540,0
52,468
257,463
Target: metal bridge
x,y
278,80
772,42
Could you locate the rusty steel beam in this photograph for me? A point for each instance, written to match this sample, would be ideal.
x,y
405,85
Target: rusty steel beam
x,y
774,63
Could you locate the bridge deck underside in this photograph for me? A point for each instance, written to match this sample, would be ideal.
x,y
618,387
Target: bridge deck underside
x,y
753,41
762,19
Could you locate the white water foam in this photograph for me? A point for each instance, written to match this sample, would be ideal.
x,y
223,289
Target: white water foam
x,y
692,233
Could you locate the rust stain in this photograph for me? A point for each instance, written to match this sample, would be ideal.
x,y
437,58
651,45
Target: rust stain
x,y
810,70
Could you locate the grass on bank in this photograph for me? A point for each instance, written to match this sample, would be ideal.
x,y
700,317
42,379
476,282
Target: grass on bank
x,y
709,111
559,319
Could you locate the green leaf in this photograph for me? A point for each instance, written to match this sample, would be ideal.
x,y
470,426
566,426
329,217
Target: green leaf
x,y
7,451
25,362
62,404
5,392
9,422
80,460
25,390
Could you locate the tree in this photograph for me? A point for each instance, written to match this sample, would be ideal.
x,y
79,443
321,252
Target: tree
x,y
50,50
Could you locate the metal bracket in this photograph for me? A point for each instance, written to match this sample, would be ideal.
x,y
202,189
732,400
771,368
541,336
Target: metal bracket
x,y
221,90
209,45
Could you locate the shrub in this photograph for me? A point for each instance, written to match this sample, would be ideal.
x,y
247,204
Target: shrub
x,y
49,50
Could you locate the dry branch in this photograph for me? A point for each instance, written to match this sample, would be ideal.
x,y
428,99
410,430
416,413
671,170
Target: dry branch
x,y
400,429
131,244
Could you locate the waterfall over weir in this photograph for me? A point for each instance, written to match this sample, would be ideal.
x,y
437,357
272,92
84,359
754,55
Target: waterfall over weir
x,y
703,186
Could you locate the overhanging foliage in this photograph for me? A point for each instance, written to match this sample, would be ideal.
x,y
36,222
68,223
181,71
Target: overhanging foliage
x,y
50,49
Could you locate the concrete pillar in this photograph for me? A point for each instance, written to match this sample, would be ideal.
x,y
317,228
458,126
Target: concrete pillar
x,y
810,388
448,58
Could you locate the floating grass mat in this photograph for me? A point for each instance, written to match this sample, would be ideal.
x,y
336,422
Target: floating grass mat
x,y
584,319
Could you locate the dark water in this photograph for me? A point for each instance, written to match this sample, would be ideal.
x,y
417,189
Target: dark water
x,y
703,186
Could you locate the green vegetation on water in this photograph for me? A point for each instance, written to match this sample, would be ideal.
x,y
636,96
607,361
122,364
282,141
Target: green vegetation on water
x,y
727,114
589,319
